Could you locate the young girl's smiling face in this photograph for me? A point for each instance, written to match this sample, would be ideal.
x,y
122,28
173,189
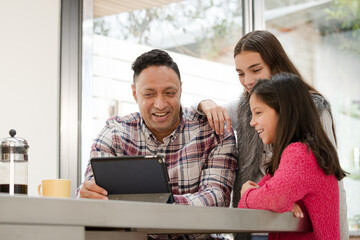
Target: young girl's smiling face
x,y
264,119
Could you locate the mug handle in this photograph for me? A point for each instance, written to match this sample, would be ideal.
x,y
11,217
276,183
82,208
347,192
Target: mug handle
x,y
39,191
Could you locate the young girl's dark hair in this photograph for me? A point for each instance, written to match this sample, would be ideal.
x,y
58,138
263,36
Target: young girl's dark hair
x,y
298,121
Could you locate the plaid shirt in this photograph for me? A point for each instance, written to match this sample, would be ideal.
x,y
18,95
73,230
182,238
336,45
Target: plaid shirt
x,y
201,165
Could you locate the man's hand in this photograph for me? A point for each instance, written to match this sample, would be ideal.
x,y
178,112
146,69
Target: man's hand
x,y
297,211
90,190
247,185
216,115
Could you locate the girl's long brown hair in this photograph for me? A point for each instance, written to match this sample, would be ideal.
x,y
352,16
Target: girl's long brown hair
x,y
298,121
271,51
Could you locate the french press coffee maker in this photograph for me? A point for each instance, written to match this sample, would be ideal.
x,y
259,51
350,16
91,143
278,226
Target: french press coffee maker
x,y
13,164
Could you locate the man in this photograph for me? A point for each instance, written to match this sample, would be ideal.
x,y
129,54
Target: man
x,y
201,164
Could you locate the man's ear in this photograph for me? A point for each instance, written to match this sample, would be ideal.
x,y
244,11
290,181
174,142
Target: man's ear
x,y
134,92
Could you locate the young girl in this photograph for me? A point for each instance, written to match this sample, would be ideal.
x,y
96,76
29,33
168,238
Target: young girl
x,y
304,167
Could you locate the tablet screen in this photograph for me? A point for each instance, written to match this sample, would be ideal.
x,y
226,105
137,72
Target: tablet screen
x,y
133,177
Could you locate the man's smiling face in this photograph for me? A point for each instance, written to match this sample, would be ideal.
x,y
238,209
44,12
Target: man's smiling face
x,y
157,91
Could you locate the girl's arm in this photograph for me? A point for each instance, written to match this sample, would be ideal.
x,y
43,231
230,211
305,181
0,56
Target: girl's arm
x,y
290,183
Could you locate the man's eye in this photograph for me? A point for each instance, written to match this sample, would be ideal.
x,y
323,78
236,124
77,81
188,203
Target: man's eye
x,y
257,70
170,93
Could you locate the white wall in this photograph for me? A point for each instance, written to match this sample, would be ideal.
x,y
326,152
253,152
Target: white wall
x,y
29,81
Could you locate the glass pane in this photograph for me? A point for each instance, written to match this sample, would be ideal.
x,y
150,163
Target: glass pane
x,y
199,34
323,40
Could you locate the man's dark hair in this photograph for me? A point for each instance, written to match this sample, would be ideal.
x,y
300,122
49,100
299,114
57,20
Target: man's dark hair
x,y
155,57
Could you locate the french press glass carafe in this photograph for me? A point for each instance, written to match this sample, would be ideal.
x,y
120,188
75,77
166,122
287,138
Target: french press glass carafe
x,y
13,165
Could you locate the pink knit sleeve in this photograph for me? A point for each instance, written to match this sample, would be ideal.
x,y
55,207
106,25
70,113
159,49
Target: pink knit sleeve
x,y
290,183
264,180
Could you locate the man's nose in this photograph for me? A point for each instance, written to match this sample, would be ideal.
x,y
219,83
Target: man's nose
x,y
160,102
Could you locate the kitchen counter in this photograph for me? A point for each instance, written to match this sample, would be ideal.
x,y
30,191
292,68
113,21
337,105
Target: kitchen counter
x,y
24,217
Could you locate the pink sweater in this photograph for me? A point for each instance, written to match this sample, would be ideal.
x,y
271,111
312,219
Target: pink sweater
x,y
299,179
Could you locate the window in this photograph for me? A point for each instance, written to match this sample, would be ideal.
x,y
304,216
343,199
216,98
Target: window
x,y
198,34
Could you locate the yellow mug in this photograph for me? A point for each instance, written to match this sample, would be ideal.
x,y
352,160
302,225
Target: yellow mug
x,y
54,188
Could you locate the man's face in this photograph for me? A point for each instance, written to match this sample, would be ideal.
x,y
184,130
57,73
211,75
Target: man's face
x,y
157,91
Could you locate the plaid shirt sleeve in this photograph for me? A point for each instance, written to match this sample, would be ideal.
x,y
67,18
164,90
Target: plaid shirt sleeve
x,y
217,176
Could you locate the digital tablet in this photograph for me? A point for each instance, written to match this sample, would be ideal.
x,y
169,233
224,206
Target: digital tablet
x,y
133,178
